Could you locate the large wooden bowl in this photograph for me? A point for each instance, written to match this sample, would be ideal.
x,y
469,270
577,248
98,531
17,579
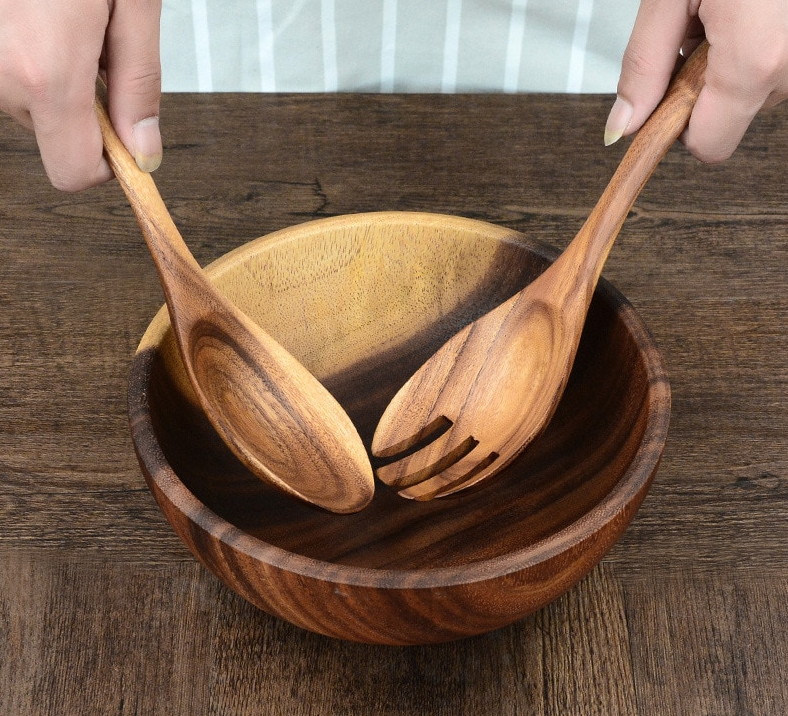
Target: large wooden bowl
x,y
362,301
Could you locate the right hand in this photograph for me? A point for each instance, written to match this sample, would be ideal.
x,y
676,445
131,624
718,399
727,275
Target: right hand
x,y
747,68
50,55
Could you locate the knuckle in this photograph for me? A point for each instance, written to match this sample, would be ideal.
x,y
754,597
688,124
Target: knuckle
x,y
35,80
769,66
70,179
41,82
63,181
708,152
638,63
145,81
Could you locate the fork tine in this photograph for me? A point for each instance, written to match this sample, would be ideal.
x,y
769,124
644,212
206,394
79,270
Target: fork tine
x,y
427,461
431,431
459,476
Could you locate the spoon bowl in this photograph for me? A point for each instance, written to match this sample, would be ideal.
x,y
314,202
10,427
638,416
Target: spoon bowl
x,y
270,411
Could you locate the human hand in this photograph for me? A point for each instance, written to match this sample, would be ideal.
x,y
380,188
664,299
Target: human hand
x,y
50,54
747,68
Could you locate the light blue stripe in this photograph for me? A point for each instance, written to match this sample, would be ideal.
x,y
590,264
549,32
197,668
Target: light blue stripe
x,y
265,39
202,45
451,46
388,48
328,24
514,47
574,81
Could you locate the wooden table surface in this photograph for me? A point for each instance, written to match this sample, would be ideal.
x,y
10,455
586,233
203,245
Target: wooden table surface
x,y
103,611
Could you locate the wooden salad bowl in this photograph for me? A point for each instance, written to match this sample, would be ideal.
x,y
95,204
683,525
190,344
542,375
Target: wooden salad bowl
x,y
362,301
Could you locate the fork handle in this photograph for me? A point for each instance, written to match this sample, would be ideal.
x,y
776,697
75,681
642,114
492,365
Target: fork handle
x,y
592,244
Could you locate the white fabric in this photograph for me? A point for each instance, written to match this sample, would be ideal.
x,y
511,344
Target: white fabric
x,y
394,45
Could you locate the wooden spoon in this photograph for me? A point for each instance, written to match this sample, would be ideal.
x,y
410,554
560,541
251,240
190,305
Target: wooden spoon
x,y
492,388
267,407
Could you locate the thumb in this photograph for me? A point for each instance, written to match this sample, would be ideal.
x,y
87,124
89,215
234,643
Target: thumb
x,y
134,78
648,63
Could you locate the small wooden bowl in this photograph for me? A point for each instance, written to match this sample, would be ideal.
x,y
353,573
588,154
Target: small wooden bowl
x,y
362,301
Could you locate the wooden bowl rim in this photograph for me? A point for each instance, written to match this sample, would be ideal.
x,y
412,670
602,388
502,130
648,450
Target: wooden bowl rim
x,y
613,506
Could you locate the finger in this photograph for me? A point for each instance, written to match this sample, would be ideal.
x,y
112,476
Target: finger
x,y
69,139
647,65
134,78
726,106
46,81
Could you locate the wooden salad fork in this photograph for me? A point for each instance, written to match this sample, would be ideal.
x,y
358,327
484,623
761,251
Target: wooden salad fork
x,y
488,392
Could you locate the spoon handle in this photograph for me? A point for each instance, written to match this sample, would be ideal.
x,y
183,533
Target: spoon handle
x,y
649,146
170,253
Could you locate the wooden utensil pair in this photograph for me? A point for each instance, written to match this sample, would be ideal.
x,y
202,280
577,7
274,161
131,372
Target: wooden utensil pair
x,y
477,403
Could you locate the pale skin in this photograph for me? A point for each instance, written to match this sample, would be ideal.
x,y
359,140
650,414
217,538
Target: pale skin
x,y
51,51
747,68
50,54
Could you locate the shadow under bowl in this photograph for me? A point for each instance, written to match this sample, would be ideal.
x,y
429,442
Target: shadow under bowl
x,y
362,301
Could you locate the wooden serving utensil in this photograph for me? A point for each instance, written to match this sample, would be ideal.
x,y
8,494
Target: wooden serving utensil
x,y
491,389
268,408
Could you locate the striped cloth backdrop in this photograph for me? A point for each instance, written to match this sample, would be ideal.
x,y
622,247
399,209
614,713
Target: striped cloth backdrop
x,y
394,45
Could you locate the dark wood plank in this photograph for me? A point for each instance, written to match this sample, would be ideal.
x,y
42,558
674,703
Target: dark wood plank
x,y
587,663
700,645
103,611
65,283
102,638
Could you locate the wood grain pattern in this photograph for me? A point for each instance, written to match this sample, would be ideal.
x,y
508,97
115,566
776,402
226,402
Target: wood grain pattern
x,y
615,645
269,410
703,257
489,391
360,300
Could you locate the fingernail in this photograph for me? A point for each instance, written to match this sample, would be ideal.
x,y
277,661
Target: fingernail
x,y
147,144
618,120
